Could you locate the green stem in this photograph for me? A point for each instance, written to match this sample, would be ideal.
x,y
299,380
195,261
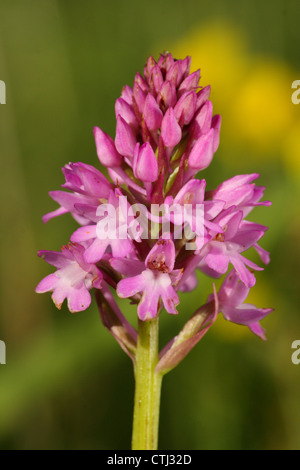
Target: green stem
x,y
147,388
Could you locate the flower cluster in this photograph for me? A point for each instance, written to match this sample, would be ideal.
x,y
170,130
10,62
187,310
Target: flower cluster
x,y
165,134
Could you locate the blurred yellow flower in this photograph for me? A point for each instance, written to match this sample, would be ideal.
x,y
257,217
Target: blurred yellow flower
x,y
252,93
262,111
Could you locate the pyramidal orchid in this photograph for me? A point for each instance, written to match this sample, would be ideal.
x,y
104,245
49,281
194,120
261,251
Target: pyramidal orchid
x,y
145,231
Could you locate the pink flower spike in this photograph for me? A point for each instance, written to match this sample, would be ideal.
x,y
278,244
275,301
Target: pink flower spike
x,y
152,113
147,228
170,129
106,149
145,165
125,140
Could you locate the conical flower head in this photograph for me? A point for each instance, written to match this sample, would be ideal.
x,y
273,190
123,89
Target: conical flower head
x,y
147,231
167,110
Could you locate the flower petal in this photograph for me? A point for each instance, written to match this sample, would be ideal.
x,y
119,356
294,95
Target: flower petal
x,y
56,213
128,267
170,129
202,152
245,314
106,149
47,284
162,256
145,165
148,306
125,139
125,110
79,299
55,258
131,286
152,113
216,258
246,276
233,292
170,299
258,330
96,250
84,233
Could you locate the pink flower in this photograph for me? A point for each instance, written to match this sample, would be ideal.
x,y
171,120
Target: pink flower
x,y
232,295
73,278
191,204
226,247
162,113
154,279
165,134
109,229
239,191
87,184
145,165
106,150
170,129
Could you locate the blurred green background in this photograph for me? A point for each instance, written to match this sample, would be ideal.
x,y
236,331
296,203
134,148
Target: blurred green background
x,y
67,384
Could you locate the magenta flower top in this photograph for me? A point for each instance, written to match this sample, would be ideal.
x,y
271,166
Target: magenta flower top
x,y
145,232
